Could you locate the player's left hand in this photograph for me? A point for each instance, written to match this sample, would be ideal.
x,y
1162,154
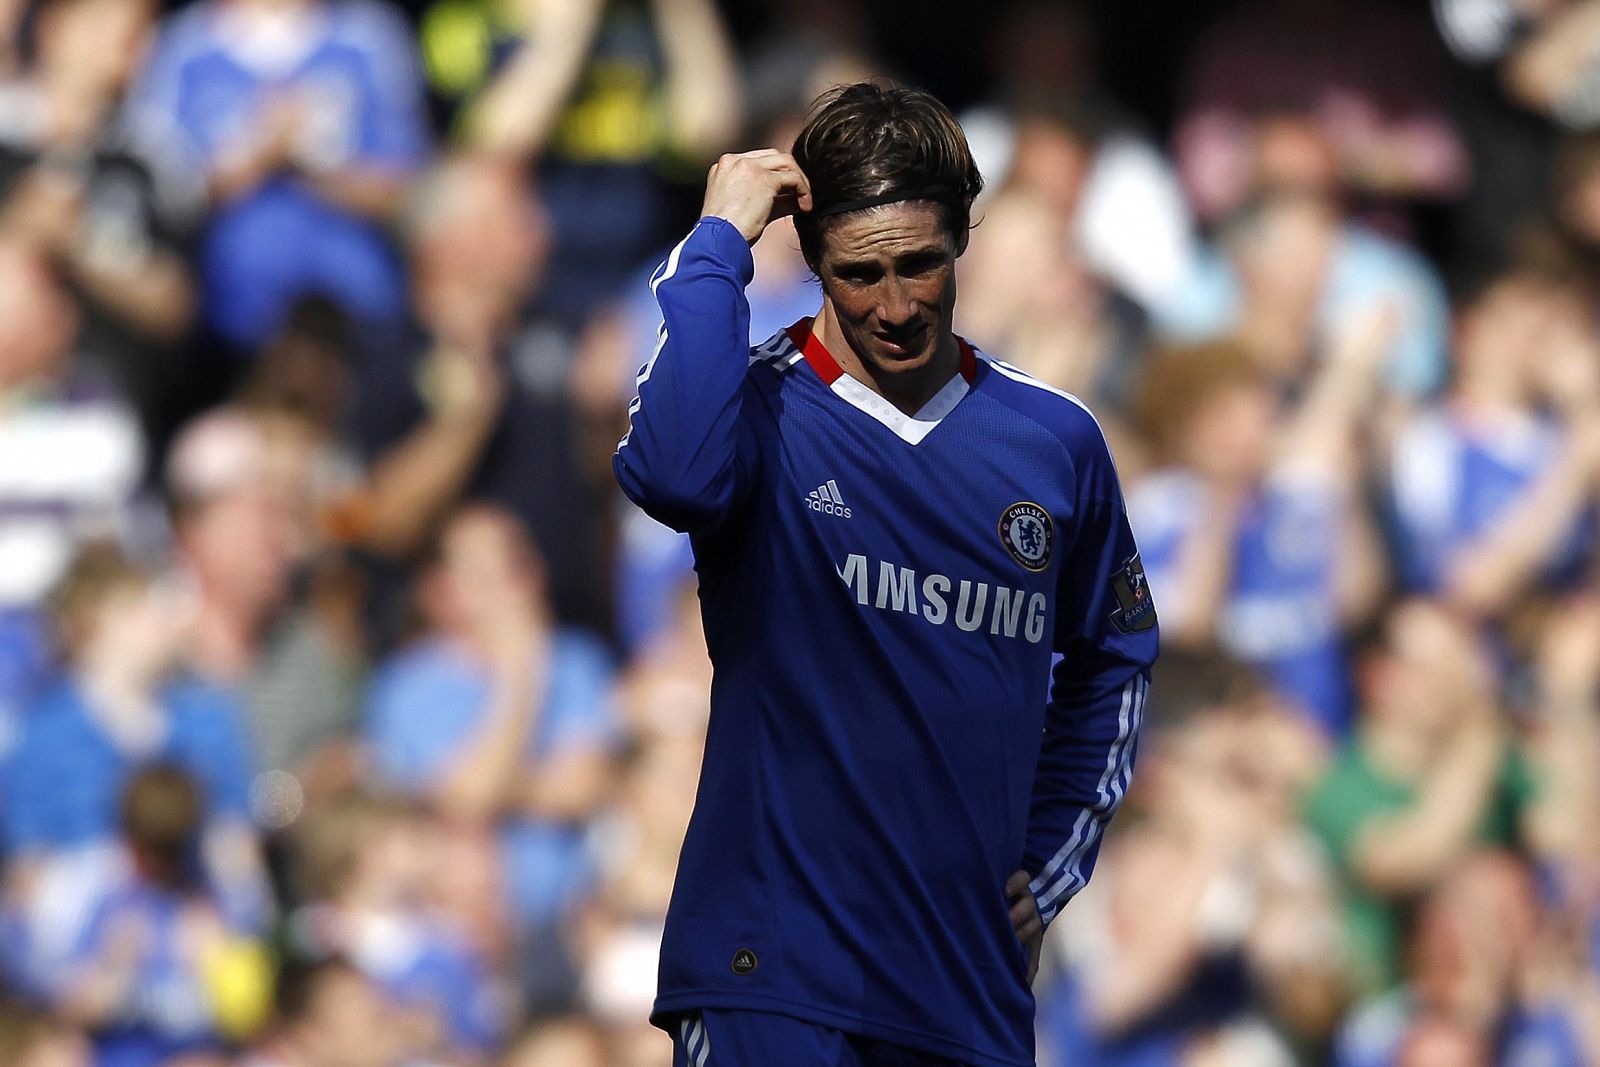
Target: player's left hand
x,y
1025,918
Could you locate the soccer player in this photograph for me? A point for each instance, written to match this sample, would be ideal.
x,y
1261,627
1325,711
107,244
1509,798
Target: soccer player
x,y
894,533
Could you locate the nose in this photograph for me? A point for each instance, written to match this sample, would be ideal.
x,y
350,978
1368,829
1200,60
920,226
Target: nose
x,y
896,305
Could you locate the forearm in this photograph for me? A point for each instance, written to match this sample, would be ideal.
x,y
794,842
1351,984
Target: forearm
x,y
152,296
1485,575
481,781
240,168
1407,851
372,192
412,485
1359,582
1561,822
702,83
516,113
1085,766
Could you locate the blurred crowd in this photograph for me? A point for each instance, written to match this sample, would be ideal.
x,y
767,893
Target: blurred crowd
x,y
350,718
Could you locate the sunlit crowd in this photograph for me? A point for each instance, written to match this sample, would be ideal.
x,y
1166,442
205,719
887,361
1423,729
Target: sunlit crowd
x,y
349,717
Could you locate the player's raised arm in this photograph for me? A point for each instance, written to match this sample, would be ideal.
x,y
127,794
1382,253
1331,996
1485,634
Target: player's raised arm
x,y
1106,634
687,458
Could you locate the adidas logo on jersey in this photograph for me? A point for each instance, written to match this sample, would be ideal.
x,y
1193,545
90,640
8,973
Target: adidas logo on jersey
x,y
826,499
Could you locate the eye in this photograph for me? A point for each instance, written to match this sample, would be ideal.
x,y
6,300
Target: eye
x,y
919,265
860,274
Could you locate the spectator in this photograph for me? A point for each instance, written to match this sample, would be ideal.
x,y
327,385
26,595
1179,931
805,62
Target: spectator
x,y
1427,776
598,98
100,192
1129,221
1495,486
161,974
115,709
1219,907
502,721
476,407
289,666
364,866
1366,74
1294,271
1252,532
1032,290
71,453
1482,976
331,1015
306,119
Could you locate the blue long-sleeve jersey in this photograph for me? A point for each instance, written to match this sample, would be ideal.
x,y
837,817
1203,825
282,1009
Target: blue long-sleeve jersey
x,y
882,596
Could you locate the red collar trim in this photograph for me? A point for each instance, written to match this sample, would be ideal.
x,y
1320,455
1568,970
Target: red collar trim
x,y
828,369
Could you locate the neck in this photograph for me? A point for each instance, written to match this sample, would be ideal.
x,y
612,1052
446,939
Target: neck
x,y
907,390
225,641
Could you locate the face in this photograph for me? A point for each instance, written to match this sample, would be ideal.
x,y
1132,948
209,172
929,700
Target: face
x,y
488,571
353,1025
889,274
240,546
1229,437
139,625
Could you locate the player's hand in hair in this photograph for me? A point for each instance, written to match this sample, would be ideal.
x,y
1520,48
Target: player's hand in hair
x,y
751,189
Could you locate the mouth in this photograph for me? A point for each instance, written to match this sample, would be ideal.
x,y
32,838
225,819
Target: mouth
x,y
902,345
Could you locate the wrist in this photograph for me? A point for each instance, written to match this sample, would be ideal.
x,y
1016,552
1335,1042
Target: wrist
x,y
730,243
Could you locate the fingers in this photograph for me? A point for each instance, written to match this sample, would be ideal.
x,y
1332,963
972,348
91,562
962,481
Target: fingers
x,y
1024,910
1025,919
778,168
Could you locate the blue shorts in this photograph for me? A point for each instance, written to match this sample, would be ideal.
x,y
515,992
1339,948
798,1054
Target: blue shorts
x,y
758,1039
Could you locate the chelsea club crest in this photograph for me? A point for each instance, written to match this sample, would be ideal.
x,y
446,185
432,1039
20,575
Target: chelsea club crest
x,y
1028,534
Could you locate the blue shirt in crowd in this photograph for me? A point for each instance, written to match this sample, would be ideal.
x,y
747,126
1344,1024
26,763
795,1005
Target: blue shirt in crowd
x,y
168,1012
353,65
426,701
1281,613
1453,477
61,785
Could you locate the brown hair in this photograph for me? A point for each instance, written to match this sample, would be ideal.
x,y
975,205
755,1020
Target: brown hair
x,y
1177,381
868,141
162,810
328,842
100,569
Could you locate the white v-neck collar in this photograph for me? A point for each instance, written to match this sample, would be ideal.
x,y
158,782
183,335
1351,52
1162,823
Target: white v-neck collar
x,y
909,428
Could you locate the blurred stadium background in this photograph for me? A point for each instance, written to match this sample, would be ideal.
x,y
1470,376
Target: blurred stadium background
x,y
349,718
